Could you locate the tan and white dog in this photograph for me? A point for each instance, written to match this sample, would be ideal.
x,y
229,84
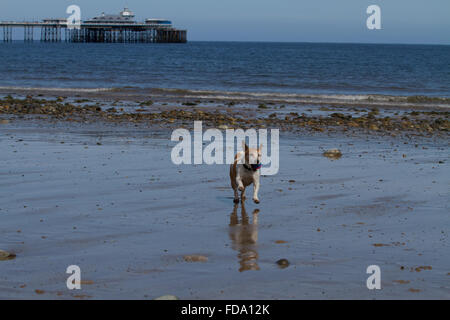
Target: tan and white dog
x,y
245,171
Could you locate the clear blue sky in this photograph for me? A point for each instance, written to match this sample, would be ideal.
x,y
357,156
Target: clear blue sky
x,y
403,21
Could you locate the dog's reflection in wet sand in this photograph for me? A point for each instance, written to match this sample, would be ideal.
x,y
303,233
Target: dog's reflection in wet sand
x,y
244,238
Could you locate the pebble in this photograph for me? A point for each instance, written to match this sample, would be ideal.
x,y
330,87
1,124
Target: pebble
x,y
283,263
333,154
4,255
167,297
195,258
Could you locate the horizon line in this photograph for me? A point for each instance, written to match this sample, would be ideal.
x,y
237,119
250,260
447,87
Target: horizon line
x,y
293,42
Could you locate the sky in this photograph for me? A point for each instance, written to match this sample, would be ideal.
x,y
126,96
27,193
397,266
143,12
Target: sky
x,y
402,21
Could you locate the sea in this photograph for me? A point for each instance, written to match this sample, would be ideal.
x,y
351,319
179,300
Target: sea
x,y
224,67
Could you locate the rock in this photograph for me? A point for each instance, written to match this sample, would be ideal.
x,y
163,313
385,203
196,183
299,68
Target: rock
x,y
167,297
195,258
381,245
189,104
283,263
418,269
338,115
146,103
4,255
401,281
333,154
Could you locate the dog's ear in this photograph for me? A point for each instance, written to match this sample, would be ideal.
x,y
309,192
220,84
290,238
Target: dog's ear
x,y
244,146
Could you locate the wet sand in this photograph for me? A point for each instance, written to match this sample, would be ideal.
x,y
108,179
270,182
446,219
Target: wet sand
x,y
106,197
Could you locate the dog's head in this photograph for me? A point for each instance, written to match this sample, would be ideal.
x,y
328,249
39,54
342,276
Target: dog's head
x,y
252,156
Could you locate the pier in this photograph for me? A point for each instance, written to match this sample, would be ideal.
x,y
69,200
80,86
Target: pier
x,y
121,28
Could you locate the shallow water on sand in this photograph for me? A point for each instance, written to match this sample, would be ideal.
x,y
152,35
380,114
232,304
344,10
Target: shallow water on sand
x,y
110,200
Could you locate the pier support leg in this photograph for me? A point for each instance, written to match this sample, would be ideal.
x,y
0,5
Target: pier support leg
x,y
7,33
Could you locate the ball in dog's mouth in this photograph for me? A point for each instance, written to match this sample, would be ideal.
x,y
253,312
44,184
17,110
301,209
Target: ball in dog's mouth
x,y
256,166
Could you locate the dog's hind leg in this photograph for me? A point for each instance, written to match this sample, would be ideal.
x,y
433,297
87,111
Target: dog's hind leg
x,y
234,183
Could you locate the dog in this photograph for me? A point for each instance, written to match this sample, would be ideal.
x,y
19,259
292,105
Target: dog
x,y
245,171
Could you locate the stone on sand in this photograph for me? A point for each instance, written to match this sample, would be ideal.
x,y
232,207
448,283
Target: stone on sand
x,y
195,258
333,154
168,297
283,263
4,255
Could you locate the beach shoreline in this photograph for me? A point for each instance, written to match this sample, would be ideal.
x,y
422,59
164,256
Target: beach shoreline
x,y
171,112
173,95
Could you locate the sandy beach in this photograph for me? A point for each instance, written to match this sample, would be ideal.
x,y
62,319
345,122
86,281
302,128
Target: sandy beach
x,y
101,192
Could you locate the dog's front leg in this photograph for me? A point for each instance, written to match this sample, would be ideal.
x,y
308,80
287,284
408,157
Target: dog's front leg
x,y
256,190
239,183
236,196
243,195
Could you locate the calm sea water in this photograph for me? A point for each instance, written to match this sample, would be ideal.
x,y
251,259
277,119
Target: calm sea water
x,y
255,67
